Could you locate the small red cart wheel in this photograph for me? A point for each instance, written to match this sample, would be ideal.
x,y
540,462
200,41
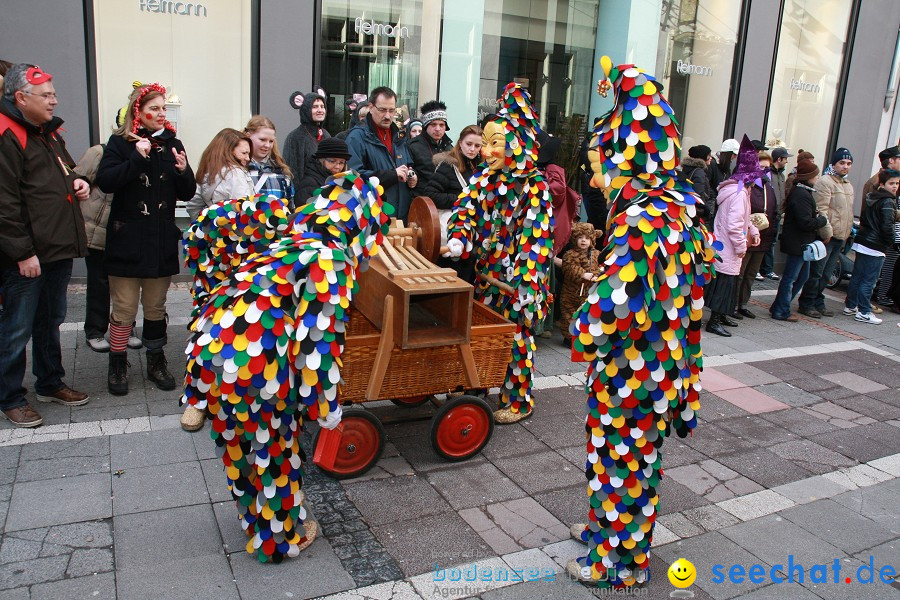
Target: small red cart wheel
x,y
461,428
411,402
361,444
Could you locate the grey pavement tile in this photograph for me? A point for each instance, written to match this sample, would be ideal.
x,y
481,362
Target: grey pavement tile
x,y
475,485
163,407
855,590
889,396
58,501
710,518
417,451
9,456
789,394
772,539
764,467
674,453
161,536
233,537
825,364
203,444
680,525
835,393
757,430
98,446
524,521
101,585
674,497
410,497
812,383
151,448
7,476
511,440
569,505
444,540
780,591
16,550
863,443
712,480
810,489
799,422
560,587
61,466
811,456
557,430
748,374
89,412
577,455
216,483
540,472
888,377
870,407
877,502
87,561
155,488
712,441
714,409
30,572
89,534
705,551
838,525
781,369
887,553
193,578
855,382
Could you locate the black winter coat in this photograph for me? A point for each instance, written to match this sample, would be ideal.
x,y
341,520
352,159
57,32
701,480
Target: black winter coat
x,y
444,187
876,223
801,221
313,178
694,169
764,199
422,150
142,238
39,214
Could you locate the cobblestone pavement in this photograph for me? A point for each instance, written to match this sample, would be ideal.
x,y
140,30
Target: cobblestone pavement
x,y
796,461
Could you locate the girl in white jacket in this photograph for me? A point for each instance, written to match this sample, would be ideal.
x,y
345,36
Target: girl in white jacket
x,y
222,173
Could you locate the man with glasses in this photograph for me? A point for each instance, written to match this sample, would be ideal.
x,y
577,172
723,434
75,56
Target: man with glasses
x,y
378,150
41,231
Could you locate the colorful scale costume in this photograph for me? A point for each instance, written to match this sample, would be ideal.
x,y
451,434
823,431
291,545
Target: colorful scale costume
x,y
640,326
267,348
506,220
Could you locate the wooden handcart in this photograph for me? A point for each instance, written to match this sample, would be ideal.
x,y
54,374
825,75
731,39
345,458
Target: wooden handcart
x,y
415,333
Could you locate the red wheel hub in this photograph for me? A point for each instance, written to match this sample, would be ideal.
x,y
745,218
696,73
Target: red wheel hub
x,y
359,445
463,428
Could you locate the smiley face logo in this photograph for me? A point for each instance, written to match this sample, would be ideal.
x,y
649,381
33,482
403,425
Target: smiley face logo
x,y
682,573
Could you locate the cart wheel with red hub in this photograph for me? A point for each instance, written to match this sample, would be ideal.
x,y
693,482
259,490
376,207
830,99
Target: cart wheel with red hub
x,y
411,402
461,428
361,444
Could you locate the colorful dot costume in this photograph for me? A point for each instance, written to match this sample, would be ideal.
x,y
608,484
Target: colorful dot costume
x,y
640,326
266,351
505,219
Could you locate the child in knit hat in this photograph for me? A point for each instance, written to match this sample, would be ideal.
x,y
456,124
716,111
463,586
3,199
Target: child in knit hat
x,y
580,265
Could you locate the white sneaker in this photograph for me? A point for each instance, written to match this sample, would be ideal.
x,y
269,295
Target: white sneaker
x,y
98,344
850,312
867,318
759,277
135,343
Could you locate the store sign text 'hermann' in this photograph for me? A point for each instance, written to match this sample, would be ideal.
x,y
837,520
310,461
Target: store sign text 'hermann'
x,y
172,8
385,29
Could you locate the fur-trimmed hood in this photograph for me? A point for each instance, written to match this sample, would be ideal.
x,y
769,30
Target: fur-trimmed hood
x,y
445,157
689,162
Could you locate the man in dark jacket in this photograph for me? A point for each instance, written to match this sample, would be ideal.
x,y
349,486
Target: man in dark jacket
x,y
41,231
433,140
379,151
694,169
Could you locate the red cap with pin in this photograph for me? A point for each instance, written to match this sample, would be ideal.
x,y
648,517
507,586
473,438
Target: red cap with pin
x,y
37,76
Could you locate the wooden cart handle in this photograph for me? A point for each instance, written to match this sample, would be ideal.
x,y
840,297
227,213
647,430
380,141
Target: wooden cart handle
x,y
497,283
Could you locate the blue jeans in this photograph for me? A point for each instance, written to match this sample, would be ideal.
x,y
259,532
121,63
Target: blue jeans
x,y
813,295
32,308
865,273
796,271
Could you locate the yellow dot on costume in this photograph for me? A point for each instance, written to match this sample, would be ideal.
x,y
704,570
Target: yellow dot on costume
x,y
240,308
656,110
628,273
629,543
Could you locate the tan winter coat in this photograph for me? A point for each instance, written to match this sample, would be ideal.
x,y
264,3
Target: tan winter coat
x,y
834,199
96,208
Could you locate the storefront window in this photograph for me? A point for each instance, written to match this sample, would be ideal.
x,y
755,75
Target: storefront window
x,y
548,47
696,52
183,46
366,45
807,68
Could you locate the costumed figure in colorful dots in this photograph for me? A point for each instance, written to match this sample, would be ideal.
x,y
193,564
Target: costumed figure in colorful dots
x,y
640,325
505,219
266,352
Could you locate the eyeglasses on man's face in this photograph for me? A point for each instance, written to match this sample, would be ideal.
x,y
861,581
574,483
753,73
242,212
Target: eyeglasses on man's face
x,y
47,96
385,110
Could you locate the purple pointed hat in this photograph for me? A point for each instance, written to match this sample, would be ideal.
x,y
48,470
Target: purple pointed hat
x,y
748,170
